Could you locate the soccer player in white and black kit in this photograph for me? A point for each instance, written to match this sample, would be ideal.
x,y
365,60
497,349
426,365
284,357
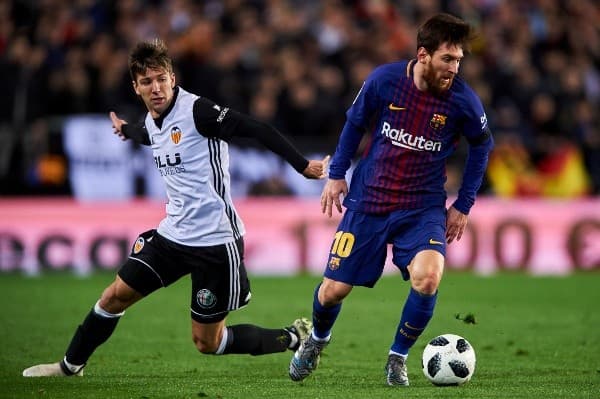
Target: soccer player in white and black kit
x,y
201,234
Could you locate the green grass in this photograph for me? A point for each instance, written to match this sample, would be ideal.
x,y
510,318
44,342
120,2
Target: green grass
x,y
535,337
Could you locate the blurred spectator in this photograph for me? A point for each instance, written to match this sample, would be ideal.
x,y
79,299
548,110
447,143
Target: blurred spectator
x,y
299,64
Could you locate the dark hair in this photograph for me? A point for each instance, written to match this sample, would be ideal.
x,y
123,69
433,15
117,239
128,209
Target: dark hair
x,y
151,55
444,28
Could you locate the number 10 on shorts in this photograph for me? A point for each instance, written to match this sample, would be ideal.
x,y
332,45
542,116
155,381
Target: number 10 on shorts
x,y
343,243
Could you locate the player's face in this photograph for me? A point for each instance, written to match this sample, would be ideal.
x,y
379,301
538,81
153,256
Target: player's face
x,y
156,89
441,67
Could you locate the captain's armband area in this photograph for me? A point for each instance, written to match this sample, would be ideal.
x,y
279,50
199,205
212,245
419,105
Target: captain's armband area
x,y
482,138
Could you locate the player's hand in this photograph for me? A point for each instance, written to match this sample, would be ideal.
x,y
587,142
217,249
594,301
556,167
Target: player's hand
x,y
456,222
317,169
117,125
331,194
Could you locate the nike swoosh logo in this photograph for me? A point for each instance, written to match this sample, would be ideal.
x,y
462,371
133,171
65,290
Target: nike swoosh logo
x,y
411,327
394,108
434,242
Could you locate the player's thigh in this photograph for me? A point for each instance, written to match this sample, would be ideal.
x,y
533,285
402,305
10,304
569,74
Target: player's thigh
x,y
358,251
219,282
416,231
153,263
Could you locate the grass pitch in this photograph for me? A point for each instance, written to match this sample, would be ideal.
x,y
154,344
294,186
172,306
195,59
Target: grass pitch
x,y
535,337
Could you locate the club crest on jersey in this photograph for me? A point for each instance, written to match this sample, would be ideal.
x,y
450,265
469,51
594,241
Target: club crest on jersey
x,y
206,299
175,135
438,121
334,263
139,244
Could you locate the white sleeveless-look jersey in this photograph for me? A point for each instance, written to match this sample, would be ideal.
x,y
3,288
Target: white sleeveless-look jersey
x,y
195,170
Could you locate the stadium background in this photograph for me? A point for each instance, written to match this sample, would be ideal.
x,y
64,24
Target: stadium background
x,y
67,184
73,197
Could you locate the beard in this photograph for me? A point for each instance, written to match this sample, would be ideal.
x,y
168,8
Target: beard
x,y
435,82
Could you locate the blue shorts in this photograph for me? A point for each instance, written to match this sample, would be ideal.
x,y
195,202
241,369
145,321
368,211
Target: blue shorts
x,y
359,248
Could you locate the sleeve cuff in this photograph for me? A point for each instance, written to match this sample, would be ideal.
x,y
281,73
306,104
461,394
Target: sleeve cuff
x,y
463,205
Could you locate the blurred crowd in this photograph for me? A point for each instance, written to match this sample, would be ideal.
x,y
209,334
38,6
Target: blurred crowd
x,y
298,64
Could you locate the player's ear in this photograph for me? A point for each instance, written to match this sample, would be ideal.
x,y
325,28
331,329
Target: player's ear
x,y
173,81
422,55
135,87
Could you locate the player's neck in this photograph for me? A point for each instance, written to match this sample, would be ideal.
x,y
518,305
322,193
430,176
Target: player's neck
x,y
418,78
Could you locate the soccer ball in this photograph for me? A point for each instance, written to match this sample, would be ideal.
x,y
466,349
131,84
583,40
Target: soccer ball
x,y
448,359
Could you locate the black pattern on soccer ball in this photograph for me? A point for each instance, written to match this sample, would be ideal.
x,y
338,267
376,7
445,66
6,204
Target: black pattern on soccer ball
x,y
439,341
434,364
462,346
459,368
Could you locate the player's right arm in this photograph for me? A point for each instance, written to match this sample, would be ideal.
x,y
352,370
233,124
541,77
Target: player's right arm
x,y
336,187
358,115
332,193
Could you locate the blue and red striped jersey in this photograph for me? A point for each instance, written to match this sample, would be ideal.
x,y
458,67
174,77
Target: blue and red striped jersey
x,y
411,133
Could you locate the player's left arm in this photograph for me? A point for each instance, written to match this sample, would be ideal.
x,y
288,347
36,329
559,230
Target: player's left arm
x,y
215,121
136,131
481,142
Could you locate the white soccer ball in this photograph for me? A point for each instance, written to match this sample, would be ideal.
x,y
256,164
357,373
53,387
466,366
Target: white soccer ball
x,y
448,359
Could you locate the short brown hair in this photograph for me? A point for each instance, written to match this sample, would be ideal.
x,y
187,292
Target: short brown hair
x,y
149,55
444,28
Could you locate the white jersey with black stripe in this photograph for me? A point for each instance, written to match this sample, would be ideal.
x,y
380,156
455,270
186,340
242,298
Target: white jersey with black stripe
x,y
195,170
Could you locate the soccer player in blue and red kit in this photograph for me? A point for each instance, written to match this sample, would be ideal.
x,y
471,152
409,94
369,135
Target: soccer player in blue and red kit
x,y
414,113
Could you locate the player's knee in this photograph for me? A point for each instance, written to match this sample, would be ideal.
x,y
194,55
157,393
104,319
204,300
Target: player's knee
x,y
332,293
124,294
427,283
205,345
117,297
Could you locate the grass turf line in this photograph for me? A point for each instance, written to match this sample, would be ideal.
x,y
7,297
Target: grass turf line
x,y
535,337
